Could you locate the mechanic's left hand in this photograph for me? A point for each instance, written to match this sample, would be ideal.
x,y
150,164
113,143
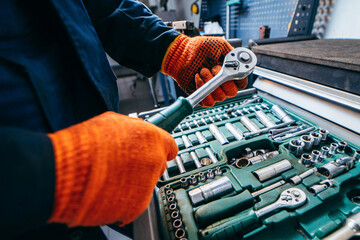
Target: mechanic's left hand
x,y
186,57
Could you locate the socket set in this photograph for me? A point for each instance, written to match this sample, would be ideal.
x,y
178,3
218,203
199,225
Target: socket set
x,y
248,169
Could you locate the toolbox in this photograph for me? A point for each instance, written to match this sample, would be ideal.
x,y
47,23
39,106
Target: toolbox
x,y
237,177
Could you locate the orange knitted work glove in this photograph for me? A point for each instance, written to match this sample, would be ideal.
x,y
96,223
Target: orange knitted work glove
x,y
186,56
106,169
228,89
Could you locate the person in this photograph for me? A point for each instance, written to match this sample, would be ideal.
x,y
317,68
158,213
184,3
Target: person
x,y
68,158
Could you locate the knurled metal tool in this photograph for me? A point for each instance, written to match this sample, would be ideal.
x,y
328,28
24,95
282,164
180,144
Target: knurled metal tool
x,y
238,64
244,222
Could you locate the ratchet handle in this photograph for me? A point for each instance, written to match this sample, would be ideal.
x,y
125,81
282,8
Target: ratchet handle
x,y
233,226
221,208
170,117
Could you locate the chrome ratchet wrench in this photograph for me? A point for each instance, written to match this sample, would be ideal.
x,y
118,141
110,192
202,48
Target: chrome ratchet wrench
x,y
241,224
238,64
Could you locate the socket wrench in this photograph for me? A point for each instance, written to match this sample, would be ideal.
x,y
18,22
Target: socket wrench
x,y
351,228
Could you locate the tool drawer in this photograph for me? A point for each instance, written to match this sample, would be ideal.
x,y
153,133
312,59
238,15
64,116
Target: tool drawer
x,y
250,168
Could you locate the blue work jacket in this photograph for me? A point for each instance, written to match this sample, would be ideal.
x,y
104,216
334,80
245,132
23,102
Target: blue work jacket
x,y
42,44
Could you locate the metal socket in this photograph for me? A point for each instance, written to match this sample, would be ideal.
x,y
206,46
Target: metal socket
x,y
177,223
333,149
186,141
324,134
175,215
218,171
281,113
324,152
210,174
180,233
272,170
296,147
242,162
308,140
210,191
342,146
251,126
306,160
184,182
200,137
195,159
211,155
205,161
317,138
202,177
215,131
265,119
234,131
315,156
166,175
193,180
180,164
356,155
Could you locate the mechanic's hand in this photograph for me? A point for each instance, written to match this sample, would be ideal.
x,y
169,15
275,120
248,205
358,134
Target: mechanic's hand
x,y
186,56
228,89
106,169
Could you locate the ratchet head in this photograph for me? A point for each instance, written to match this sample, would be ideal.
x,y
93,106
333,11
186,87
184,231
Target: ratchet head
x,y
238,64
292,198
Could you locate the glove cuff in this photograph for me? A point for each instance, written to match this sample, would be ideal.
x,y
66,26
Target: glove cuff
x,y
73,164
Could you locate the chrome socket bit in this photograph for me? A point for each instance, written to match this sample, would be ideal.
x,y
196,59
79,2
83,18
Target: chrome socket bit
x,y
317,138
296,147
298,178
193,180
342,146
265,119
202,177
281,113
211,155
308,140
218,171
249,124
166,175
218,117
180,233
321,186
242,162
324,134
306,160
356,155
272,170
234,131
246,111
180,164
211,119
169,191
177,223
335,168
186,141
290,135
324,152
210,174
188,125
215,131
333,149
265,106
315,156
195,159
173,207
184,182
205,161
210,191
171,198
200,137
175,215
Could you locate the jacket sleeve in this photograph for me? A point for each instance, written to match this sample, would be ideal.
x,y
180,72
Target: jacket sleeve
x,y
27,175
130,33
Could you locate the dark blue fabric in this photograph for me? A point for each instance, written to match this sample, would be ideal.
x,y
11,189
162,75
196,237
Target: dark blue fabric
x,y
53,74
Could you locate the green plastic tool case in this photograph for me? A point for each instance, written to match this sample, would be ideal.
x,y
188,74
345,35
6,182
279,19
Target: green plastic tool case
x,y
322,213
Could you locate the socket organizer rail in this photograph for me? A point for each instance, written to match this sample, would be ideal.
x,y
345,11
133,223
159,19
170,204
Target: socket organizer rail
x,y
248,168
